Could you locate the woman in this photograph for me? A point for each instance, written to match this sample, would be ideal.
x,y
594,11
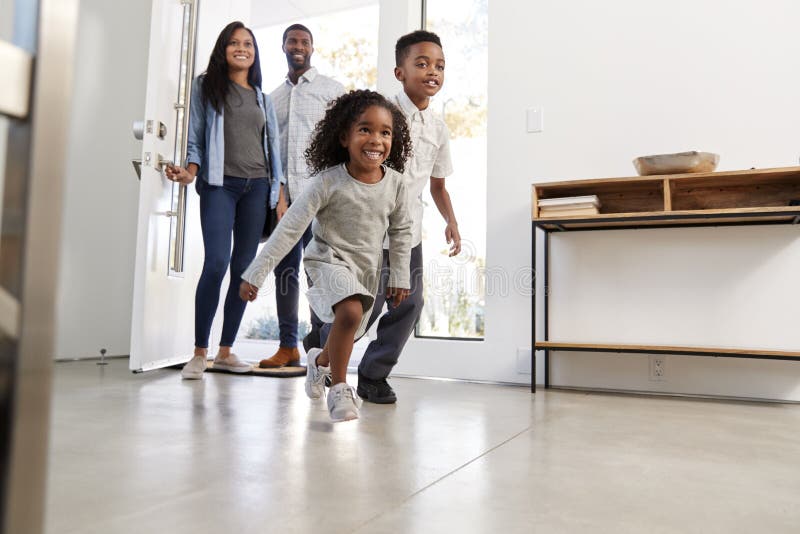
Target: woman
x,y
233,150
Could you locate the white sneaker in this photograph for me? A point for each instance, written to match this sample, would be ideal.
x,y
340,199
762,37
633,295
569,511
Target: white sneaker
x,y
194,368
315,376
343,403
232,364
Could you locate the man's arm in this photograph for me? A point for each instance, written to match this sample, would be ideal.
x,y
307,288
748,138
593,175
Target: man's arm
x,y
442,200
282,206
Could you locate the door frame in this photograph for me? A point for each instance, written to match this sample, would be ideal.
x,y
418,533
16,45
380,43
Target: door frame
x,y
51,104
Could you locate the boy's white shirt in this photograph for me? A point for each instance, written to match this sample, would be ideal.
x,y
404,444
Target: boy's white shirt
x,y
431,142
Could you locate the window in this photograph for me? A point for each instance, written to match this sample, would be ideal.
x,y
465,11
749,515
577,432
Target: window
x,y
454,287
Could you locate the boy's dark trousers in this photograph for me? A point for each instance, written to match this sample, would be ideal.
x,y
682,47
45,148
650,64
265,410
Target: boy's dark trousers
x,y
395,326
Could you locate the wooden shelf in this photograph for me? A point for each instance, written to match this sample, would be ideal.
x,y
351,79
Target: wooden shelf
x,y
779,215
667,349
733,197
755,196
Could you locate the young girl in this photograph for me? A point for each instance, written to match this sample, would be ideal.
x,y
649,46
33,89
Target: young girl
x,y
356,200
234,159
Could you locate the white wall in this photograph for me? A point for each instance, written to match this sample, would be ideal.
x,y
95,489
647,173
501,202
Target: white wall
x,y
619,79
101,190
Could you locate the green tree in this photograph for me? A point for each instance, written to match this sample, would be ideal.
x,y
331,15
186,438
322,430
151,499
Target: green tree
x,y
266,327
464,39
354,62
465,117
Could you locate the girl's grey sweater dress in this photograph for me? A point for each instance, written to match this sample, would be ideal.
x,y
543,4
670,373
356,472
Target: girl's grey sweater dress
x,y
345,255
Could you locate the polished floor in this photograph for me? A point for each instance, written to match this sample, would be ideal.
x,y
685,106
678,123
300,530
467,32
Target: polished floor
x,y
150,453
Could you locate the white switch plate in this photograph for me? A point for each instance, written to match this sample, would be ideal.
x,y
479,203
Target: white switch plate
x,y
535,119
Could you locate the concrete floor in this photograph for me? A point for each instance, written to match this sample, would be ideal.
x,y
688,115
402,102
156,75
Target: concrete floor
x,y
150,453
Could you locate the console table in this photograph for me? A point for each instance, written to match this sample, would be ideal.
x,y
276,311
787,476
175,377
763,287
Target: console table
x,y
749,197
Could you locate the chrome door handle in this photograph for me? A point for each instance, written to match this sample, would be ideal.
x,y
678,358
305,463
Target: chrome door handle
x,y
158,162
188,46
138,129
141,127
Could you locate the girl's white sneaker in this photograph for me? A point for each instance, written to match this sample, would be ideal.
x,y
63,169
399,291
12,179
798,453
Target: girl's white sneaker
x,y
343,403
315,376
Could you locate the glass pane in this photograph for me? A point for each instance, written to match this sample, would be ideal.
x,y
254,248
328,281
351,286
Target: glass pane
x,y
454,287
345,48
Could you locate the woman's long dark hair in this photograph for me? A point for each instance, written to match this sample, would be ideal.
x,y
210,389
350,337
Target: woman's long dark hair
x,y
216,81
326,150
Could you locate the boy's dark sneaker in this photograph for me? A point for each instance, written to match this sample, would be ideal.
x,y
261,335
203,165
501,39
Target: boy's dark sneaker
x,y
377,391
311,341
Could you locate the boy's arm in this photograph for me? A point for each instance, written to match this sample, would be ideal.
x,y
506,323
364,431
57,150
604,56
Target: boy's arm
x,y
441,168
442,200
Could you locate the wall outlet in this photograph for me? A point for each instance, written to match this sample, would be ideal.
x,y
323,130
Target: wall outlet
x,y
658,369
523,361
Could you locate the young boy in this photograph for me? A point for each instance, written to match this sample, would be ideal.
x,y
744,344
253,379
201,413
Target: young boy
x,y
419,61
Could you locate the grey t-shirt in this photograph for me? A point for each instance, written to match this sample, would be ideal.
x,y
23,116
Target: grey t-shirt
x,y
244,134
345,256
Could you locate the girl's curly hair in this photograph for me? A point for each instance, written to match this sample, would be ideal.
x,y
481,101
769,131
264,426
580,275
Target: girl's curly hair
x,y
326,150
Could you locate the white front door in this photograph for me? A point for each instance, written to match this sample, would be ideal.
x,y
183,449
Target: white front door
x,y
168,249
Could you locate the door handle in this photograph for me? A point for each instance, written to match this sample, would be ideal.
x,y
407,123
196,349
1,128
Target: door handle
x,y
188,46
141,127
158,162
161,162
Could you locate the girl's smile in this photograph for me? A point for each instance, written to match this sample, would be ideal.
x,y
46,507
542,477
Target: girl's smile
x,y
368,142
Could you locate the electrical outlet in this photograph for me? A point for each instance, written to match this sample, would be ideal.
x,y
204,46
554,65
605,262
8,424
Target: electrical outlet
x,y
523,361
658,369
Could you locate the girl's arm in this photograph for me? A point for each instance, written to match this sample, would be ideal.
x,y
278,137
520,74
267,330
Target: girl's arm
x,y
399,243
286,235
442,200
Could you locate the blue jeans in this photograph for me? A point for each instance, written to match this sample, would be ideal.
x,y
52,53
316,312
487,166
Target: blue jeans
x,y
287,291
237,210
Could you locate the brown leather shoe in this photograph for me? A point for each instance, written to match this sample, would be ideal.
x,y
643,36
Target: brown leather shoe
x,y
286,356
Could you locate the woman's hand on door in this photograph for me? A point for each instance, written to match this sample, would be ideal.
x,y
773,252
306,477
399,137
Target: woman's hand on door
x,y
179,174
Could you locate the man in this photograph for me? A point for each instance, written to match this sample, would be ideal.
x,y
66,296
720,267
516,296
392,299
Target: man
x,y
300,102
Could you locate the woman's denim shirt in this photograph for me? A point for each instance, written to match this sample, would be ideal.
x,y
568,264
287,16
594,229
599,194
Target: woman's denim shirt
x,y
206,143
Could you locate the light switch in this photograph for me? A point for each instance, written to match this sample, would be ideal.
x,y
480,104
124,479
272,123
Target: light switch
x,y
535,119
